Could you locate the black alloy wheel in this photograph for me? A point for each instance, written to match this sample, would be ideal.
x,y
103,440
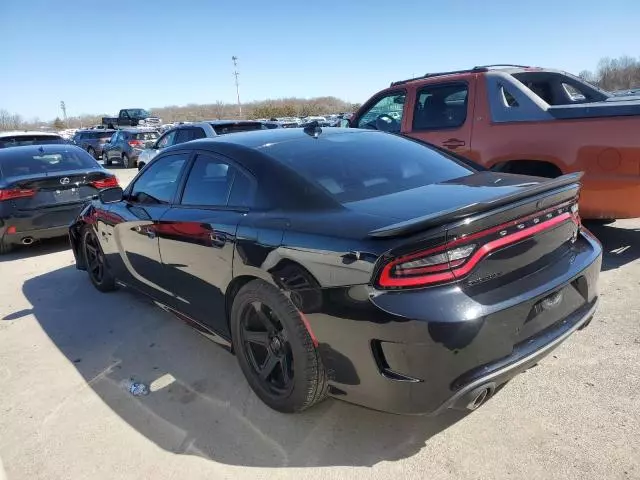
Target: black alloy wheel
x,y
275,351
267,348
126,163
95,262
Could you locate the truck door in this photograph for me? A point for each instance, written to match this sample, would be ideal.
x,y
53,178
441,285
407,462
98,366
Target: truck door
x,y
443,115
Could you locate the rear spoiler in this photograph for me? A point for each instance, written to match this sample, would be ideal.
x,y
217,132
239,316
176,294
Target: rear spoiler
x,y
420,223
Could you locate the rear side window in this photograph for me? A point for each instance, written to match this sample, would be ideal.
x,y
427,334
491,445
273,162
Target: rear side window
x,y
159,181
33,162
357,166
22,140
211,181
440,107
183,135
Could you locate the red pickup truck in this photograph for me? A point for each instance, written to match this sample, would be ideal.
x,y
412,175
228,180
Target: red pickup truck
x,y
523,120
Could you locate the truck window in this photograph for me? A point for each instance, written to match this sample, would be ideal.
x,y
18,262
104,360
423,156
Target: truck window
x,y
385,114
440,107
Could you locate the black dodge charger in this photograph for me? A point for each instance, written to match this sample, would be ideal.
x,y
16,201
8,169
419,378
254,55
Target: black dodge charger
x,y
42,190
350,263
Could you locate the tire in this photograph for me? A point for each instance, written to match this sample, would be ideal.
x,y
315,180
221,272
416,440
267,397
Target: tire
x,y
126,163
92,152
599,222
99,272
141,165
297,379
5,247
105,159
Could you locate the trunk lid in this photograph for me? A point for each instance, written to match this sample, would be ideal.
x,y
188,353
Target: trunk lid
x,y
55,189
479,228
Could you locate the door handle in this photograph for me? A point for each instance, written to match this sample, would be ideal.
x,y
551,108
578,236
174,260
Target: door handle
x,y
218,239
151,234
454,143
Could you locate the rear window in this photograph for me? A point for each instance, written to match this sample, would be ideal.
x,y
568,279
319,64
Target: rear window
x,y
33,162
357,166
22,140
237,127
146,136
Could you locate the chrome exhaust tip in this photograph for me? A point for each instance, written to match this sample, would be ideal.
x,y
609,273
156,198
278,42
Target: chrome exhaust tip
x,y
478,400
27,240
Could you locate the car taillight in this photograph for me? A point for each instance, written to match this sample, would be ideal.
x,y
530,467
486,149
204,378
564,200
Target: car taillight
x,y
105,183
136,143
13,193
457,258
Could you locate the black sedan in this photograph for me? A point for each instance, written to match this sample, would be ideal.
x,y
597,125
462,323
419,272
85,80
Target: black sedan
x,y
42,190
350,263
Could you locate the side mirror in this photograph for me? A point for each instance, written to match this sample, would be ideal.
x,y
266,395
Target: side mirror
x,y
110,195
345,123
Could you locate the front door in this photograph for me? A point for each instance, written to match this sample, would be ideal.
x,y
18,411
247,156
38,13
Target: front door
x,y
198,237
442,115
134,253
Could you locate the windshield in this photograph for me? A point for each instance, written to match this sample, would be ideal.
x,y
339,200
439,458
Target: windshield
x,y
22,140
222,129
34,161
138,113
357,166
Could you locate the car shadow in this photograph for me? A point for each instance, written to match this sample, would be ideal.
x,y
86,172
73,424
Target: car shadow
x,y
620,244
199,402
41,247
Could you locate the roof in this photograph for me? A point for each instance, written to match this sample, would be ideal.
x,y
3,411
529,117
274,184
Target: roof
x,y
479,69
260,138
17,133
226,122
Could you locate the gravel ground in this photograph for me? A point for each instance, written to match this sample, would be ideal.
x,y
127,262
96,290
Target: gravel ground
x,y
65,350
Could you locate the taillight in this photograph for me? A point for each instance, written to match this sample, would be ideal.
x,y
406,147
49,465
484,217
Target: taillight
x,y
136,143
13,193
105,183
457,258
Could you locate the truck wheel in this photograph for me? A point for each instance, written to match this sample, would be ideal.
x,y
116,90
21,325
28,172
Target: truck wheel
x,y
91,152
126,163
529,167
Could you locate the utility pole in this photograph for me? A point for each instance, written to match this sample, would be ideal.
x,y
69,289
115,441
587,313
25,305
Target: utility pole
x,y
64,112
235,74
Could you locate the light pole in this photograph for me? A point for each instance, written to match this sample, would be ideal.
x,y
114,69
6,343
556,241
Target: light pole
x,y
64,112
235,74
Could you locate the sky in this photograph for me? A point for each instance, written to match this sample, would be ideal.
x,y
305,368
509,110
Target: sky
x,y
100,57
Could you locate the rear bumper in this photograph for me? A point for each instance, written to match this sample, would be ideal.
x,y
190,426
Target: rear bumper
x,y
426,350
38,224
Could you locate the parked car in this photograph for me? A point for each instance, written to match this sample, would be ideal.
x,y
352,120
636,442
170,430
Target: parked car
x,y
132,117
193,131
18,139
555,124
92,140
126,145
43,188
350,263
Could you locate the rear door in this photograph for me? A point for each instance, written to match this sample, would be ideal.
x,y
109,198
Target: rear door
x,y
443,115
198,236
110,146
135,243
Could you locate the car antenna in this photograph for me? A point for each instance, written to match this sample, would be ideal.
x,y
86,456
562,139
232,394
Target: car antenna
x,y
313,129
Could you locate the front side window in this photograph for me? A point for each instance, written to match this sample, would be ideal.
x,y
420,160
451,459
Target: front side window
x,y
440,107
209,182
385,114
159,182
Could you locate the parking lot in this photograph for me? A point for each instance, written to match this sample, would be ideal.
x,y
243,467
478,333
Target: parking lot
x,y
66,349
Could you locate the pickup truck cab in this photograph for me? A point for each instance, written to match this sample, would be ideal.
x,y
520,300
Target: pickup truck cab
x,y
524,120
132,117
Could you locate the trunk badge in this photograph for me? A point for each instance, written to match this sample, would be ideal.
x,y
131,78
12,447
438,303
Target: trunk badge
x,y
65,181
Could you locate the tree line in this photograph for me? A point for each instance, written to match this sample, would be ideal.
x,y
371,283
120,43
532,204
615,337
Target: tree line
x,y
613,74
284,107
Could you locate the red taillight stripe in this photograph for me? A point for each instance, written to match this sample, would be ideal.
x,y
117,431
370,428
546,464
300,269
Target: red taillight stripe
x,y
386,280
13,193
105,183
